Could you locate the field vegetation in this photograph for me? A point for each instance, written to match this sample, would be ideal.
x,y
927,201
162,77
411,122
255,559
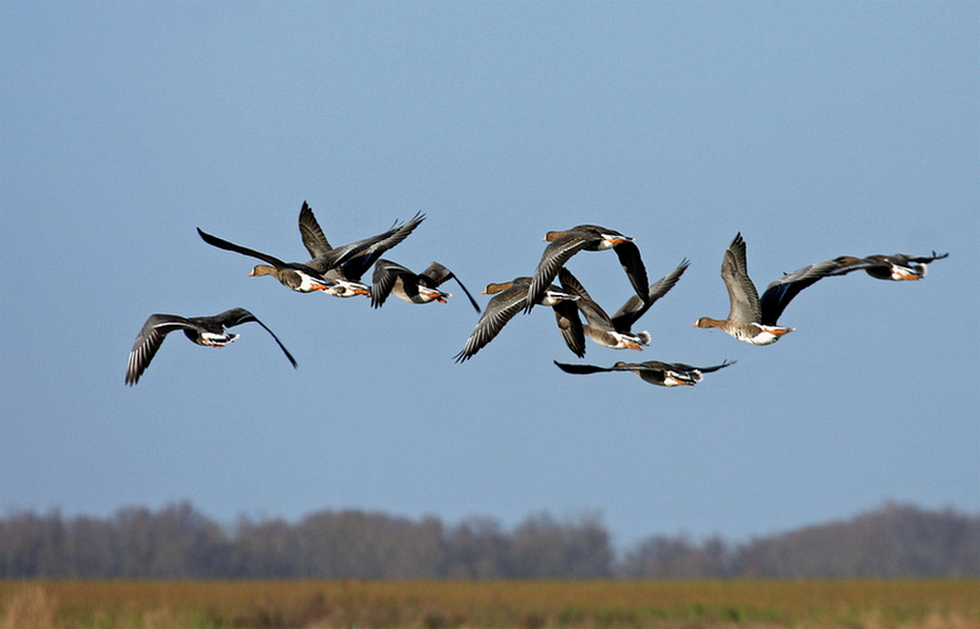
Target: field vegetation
x,y
540,604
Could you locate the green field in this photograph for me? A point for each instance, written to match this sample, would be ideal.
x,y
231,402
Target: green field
x,y
110,604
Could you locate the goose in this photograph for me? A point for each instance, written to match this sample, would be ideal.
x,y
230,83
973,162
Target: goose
x,y
652,371
391,278
508,300
298,277
895,267
335,271
208,331
751,319
564,244
346,264
616,332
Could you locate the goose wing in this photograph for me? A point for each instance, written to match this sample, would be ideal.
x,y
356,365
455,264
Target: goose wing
x,y
214,241
927,259
634,308
498,312
238,316
314,239
629,258
582,369
435,274
358,257
593,312
566,315
555,255
782,291
149,339
742,294
386,273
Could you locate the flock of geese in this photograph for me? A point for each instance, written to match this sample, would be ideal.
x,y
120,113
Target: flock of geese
x,y
338,271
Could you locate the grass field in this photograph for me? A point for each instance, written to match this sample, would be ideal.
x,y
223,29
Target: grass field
x,y
932,604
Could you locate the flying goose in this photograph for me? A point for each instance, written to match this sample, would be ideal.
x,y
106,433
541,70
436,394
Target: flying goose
x,y
391,278
652,371
751,319
508,300
564,244
616,332
208,331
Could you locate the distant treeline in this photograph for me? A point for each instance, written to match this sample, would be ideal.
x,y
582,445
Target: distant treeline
x,y
179,542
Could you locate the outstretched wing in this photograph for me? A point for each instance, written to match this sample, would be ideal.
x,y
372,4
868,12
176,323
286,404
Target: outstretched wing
x,y
593,312
782,291
499,311
149,339
629,257
386,273
435,274
634,308
742,294
313,237
566,314
555,255
214,241
238,316
581,369
358,257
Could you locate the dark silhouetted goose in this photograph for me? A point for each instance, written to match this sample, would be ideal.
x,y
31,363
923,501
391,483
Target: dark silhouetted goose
x,y
391,278
894,267
345,265
751,319
508,300
565,244
202,330
616,332
652,371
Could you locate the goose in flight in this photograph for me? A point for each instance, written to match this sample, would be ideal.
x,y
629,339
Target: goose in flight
x,y
391,278
652,371
564,244
508,300
751,319
210,331
616,332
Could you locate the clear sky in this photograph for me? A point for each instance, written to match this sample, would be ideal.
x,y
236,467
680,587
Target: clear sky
x,y
815,129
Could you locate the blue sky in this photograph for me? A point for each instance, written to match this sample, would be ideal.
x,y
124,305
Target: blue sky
x,y
814,129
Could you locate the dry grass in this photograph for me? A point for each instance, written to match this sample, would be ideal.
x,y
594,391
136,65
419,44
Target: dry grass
x,y
925,604
28,608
